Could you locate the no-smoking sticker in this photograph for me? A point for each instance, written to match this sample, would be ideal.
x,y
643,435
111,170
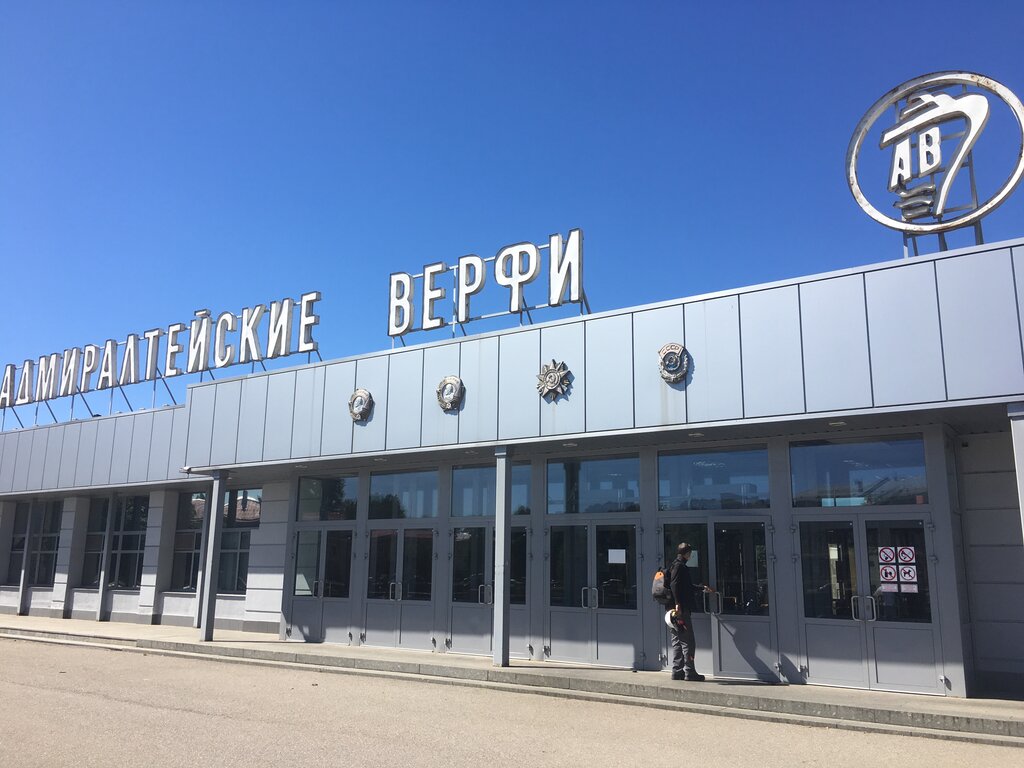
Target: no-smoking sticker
x,y
907,555
908,573
887,572
887,554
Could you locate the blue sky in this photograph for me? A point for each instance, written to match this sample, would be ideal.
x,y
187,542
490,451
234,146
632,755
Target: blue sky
x,y
156,158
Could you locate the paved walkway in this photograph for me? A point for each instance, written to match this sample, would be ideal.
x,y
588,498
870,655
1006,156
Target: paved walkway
x,y
990,721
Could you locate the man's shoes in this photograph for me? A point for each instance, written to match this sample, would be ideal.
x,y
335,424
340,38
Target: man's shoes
x,y
693,677
679,676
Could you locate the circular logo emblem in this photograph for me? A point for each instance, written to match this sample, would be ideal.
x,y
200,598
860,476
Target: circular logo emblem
x,y
360,405
928,149
553,380
449,393
673,363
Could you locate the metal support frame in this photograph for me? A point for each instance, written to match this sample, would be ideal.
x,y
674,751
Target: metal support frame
x,y
213,526
101,588
502,555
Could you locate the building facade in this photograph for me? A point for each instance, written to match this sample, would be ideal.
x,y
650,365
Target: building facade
x,y
843,454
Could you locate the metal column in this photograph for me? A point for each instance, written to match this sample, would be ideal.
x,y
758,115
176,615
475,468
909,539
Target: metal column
x,y
502,554
212,527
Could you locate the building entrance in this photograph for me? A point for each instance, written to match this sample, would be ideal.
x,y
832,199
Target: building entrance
x,y
592,613
868,618
321,608
734,627
400,586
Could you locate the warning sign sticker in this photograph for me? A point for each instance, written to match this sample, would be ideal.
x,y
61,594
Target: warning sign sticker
x,y
908,587
887,572
889,587
907,555
908,573
887,555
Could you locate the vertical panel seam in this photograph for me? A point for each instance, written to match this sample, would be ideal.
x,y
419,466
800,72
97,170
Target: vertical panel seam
x,y
387,400
291,431
238,418
942,336
458,413
1016,299
739,334
632,362
323,413
800,333
689,375
497,390
867,338
586,389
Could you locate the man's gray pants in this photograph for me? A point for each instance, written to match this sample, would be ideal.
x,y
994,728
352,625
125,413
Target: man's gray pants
x,y
684,646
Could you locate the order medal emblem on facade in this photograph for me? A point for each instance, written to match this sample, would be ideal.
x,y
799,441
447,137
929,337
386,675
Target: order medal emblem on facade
x,y
673,363
553,380
360,405
931,183
450,392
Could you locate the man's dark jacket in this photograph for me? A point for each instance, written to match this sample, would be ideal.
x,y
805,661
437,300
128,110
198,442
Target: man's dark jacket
x,y
683,589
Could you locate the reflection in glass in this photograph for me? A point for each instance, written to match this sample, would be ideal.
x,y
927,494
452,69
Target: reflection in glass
x,y
328,498
568,565
616,566
124,568
403,495
834,473
18,538
417,563
727,479
593,485
338,564
473,491
517,567
696,535
95,533
307,562
188,542
383,558
522,475
468,566
905,597
829,568
741,568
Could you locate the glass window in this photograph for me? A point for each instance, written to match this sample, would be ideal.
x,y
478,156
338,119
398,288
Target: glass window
x,y
328,498
829,567
727,479
696,535
188,540
901,590
837,473
43,545
18,537
522,484
473,491
128,542
404,495
593,485
95,533
241,512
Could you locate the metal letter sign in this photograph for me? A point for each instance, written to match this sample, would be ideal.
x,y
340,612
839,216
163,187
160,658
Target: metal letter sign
x,y
939,120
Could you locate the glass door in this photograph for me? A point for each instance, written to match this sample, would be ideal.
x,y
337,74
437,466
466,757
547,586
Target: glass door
x,y
306,620
472,588
399,590
593,614
321,605
868,603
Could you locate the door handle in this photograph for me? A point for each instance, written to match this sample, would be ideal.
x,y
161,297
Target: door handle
x,y
316,589
874,607
392,588
855,607
707,608
489,592
584,602
719,602
480,597
596,603
398,591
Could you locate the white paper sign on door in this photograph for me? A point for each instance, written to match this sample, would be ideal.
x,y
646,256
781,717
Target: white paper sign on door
x,y
616,557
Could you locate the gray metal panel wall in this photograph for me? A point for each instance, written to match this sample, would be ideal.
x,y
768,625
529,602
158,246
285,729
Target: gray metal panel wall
x,y
980,325
655,401
565,414
478,418
124,428
54,449
38,459
440,427
714,388
160,447
68,456
22,461
201,408
179,436
405,400
837,372
8,447
142,443
372,375
277,439
339,383
518,402
906,345
227,397
252,420
773,382
309,412
609,373
104,452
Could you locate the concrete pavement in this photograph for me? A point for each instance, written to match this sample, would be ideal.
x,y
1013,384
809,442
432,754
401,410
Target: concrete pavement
x,y
990,721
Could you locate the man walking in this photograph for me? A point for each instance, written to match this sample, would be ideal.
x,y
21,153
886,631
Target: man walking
x,y
684,591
